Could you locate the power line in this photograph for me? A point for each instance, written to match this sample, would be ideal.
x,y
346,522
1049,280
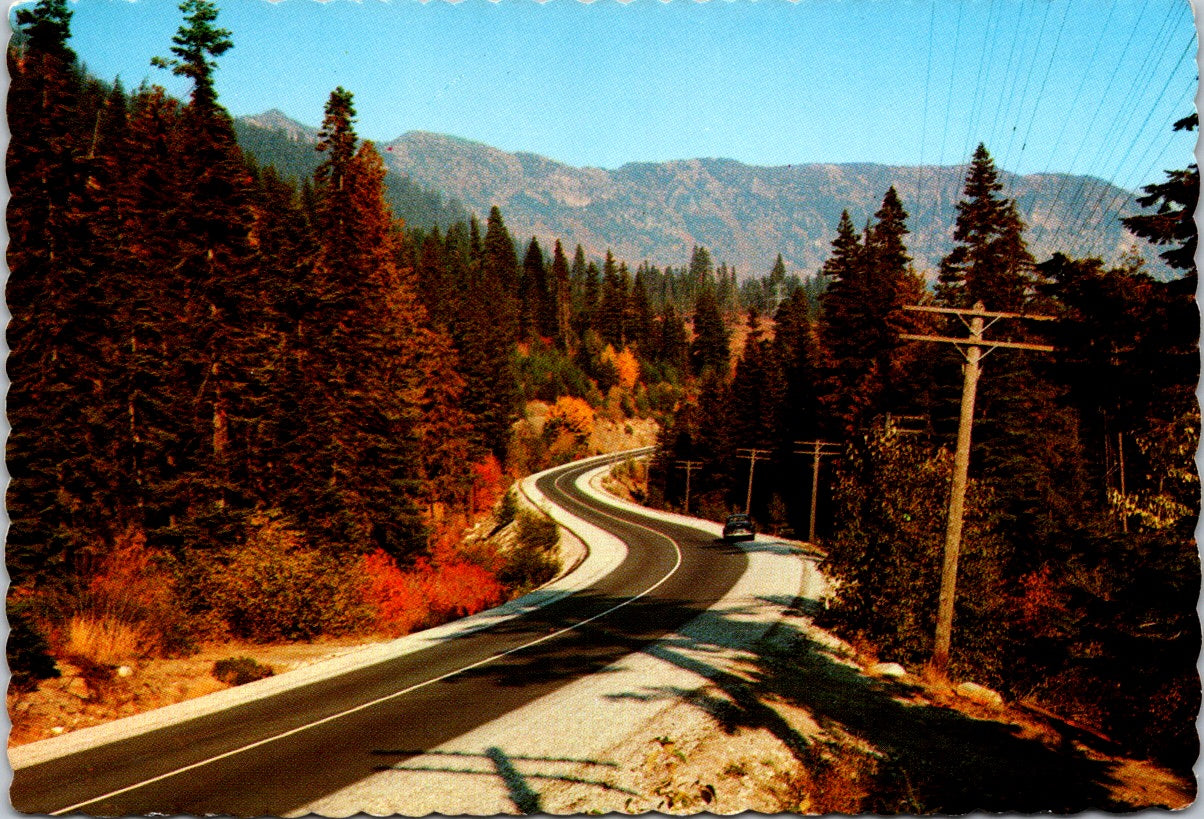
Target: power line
x,y
1138,137
1044,81
1028,76
1142,77
924,123
1011,76
985,54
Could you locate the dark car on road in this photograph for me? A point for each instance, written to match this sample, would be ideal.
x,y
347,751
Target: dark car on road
x,y
739,527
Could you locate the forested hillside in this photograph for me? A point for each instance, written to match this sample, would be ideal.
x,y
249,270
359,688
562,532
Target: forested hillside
x,y
251,401
1079,572
246,407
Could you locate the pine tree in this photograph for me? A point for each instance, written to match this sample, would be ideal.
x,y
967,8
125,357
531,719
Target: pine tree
x,y
777,283
562,299
195,45
989,262
673,345
611,319
1176,199
54,305
641,316
845,332
868,373
710,350
500,265
371,349
46,28
536,307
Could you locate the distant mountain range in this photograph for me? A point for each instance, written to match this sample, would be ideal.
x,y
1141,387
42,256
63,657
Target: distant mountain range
x,y
744,214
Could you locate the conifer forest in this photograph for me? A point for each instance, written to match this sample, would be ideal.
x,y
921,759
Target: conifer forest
x,y
255,404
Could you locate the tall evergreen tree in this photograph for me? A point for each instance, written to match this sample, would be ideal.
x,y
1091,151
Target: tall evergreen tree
x,y
1176,198
562,299
640,330
989,261
710,351
612,306
499,264
536,305
195,44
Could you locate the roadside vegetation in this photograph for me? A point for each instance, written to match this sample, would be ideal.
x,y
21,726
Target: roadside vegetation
x,y
251,407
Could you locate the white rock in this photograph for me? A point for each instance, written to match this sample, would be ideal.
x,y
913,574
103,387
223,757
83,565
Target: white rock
x,y
125,671
58,729
979,694
892,670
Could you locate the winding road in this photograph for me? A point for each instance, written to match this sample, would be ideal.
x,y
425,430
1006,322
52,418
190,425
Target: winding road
x,y
284,750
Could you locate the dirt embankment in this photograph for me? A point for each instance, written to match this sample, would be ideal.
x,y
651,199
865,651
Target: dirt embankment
x,y
79,699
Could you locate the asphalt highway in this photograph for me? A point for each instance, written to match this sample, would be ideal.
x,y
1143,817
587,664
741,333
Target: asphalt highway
x,y
275,755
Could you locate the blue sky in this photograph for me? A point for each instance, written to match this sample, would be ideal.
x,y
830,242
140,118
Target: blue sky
x,y
1087,86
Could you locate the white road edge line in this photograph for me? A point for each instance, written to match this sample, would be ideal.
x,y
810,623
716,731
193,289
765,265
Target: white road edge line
x,y
386,698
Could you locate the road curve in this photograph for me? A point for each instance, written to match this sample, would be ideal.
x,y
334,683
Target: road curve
x,y
274,755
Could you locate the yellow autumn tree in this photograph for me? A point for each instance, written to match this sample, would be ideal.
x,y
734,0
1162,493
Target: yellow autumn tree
x,y
627,367
574,414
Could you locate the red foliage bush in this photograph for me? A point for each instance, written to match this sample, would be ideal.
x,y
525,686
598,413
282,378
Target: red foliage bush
x,y
487,484
427,594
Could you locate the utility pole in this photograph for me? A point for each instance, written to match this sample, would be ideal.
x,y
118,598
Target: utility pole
x,y
972,349
819,449
752,455
689,466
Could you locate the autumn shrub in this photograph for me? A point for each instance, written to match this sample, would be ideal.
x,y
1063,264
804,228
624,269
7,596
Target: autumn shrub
x,y
565,446
625,364
241,670
571,414
276,587
121,604
488,483
426,593
507,509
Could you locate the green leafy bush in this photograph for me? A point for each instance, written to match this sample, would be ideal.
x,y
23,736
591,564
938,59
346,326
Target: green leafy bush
x,y
537,532
241,670
533,560
507,509
546,373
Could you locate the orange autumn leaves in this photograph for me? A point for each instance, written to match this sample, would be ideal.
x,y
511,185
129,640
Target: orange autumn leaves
x,y
428,593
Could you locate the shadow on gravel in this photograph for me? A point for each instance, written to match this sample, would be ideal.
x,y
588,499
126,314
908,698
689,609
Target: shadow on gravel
x,y
932,759
509,769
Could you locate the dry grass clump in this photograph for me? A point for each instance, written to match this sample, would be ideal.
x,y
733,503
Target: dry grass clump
x,y
106,640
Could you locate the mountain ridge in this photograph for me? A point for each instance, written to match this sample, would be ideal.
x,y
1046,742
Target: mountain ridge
x,y
744,214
